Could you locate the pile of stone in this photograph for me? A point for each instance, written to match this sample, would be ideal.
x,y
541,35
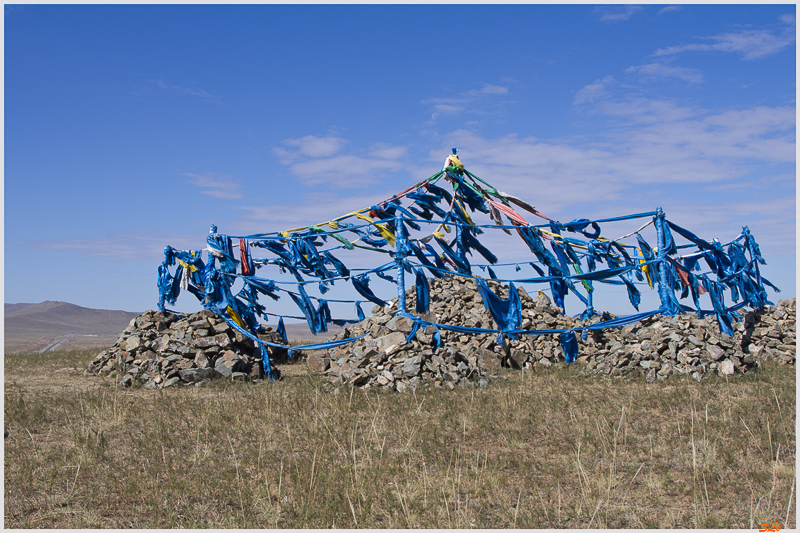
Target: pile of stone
x,y
164,349
382,358
655,348
661,346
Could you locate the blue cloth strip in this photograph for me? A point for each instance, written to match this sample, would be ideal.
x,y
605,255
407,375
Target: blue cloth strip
x,y
308,255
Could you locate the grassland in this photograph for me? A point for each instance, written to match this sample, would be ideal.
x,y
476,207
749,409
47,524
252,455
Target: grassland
x,y
547,450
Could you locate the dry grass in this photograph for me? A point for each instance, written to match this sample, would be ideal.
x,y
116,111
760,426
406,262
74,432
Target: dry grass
x,y
531,450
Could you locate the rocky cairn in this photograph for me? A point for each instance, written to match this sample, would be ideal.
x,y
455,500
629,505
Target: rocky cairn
x,y
164,349
655,348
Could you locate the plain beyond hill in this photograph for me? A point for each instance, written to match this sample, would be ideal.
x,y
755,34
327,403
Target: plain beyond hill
x,y
53,325
36,327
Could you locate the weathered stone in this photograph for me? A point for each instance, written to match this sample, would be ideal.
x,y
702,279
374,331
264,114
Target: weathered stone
x,y
228,355
518,358
170,382
221,327
542,300
726,368
173,359
392,339
226,367
715,352
132,344
317,363
221,340
201,361
412,366
161,345
192,375
188,375
400,323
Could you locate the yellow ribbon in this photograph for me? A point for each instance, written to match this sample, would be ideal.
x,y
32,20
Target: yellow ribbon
x,y
455,161
236,318
645,268
466,215
440,227
385,233
188,266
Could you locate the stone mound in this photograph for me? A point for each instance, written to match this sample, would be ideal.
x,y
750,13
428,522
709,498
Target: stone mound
x,y
654,348
164,349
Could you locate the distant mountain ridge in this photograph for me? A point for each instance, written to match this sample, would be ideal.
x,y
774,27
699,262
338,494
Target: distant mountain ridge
x,y
34,327
65,315
27,326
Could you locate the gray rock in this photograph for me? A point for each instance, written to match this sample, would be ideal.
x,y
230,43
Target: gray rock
x,y
715,352
412,366
132,344
542,300
400,323
226,367
392,339
221,340
188,375
726,368
162,346
317,363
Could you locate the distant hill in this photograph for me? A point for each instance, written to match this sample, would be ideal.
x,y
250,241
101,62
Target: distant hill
x,y
32,327
36,327
9,307
300,332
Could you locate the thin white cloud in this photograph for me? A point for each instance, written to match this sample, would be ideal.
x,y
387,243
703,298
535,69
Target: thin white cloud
x,y
180,90
148,247
312,146
449,108
669,9
765,217
655,71
318,160
215,185
617,13
750,44
594,91
345,171
488,89
655,154
387,151
473,101
314,208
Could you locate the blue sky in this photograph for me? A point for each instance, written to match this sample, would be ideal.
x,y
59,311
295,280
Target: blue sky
x,y
128,128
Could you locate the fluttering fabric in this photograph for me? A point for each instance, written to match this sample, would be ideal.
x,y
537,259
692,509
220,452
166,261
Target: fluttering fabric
x,y
577,261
